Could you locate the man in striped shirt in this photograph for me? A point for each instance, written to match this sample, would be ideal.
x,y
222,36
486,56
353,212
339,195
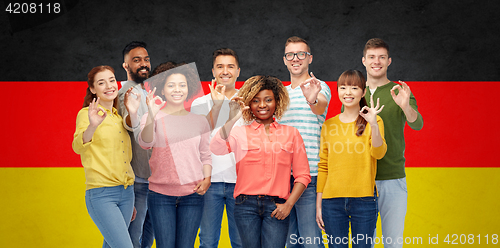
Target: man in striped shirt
x,y
309,98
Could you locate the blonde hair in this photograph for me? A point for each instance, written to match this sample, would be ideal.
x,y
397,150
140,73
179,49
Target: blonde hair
x,y
296,39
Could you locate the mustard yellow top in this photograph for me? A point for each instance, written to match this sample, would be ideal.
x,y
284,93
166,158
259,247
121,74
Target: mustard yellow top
x,y
106,158
348,163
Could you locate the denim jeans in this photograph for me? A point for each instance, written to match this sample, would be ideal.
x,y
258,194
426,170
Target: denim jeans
x,y
141,206
111,210
148,236
218,195
392,203
175,219
303,218
361,212
256,227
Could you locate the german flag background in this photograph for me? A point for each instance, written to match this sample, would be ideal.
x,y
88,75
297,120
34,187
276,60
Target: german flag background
x,y
447,51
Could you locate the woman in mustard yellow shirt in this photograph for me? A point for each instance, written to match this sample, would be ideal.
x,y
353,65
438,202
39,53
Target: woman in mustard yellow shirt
x,y
351,143
105,151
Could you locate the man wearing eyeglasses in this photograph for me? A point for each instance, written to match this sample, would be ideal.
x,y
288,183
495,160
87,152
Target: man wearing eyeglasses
x,y
309,98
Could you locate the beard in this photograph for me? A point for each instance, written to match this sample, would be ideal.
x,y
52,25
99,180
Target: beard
x,y
138,78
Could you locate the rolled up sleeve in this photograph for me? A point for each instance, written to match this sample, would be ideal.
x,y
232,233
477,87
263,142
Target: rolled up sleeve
x,y
379,152
219,146
82,123
300,164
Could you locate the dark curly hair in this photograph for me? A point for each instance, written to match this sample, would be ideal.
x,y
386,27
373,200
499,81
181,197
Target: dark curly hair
x,y
161,73
254,85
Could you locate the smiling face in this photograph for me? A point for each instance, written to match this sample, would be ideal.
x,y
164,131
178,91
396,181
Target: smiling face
x,y
105,86
175,90
376,62
351,87
137,64
226,70
297,66
263,106
350,95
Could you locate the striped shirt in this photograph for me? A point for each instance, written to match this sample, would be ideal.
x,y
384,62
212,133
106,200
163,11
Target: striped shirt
x,y
300,116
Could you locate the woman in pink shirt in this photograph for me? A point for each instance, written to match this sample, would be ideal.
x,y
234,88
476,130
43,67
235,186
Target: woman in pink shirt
x,y
266,152
180,161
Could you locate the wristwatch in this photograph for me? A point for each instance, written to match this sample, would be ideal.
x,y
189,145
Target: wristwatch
x,y
314,103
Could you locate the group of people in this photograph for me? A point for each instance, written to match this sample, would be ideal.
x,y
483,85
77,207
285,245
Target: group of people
x,y
264,152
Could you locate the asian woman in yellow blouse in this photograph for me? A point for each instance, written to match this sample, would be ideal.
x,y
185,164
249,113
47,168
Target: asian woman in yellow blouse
x,y
351,143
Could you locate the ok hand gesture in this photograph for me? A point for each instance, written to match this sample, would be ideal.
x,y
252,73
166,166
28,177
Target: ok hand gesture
x,y
370,113
310,88
132,103
402,99
236,108
153,106
95,119
217,92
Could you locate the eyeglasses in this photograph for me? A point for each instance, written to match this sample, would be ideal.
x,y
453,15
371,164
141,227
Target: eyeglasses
x,y
300,55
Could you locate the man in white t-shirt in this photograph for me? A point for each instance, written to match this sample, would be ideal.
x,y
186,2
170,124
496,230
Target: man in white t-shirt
x,y
215,106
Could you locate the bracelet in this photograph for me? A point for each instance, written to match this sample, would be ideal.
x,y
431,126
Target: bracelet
x,y
315,102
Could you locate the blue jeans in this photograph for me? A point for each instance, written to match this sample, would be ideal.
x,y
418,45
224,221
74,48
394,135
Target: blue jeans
x,y
256,227
141,205
111,210
148,236
218,195
176,219
303,218
392,203
361,212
